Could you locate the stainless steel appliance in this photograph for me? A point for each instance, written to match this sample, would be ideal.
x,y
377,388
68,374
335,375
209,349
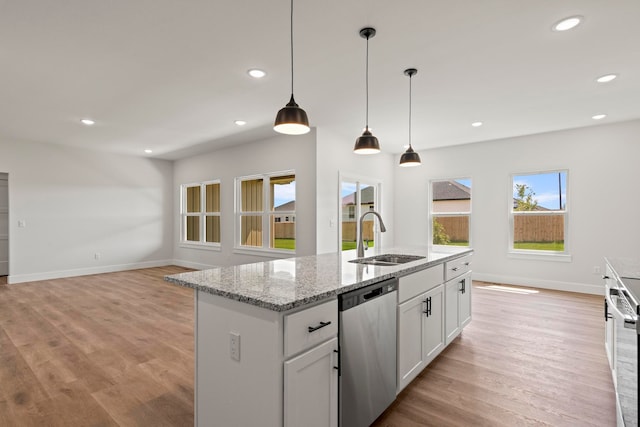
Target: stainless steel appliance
x,y
367,336
622,308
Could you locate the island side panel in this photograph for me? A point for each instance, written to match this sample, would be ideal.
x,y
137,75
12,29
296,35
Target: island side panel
x,y
231,392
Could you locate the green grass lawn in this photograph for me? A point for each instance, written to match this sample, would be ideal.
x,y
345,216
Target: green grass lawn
x,y
285,244
457,244
352,245
540,246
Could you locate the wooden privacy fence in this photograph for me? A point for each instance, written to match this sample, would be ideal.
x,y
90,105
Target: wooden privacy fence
x,y
349,231
456,227
526,228
284,230
538,228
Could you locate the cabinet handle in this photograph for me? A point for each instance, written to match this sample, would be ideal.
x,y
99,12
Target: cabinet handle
x,y
605,277
320,326
463,286
454,269
428,310
467,263
337,368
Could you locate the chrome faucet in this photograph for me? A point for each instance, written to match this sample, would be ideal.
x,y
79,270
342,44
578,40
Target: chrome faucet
x,y
361,246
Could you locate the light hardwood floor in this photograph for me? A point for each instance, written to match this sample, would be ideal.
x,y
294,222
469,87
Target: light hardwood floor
x,y
117,349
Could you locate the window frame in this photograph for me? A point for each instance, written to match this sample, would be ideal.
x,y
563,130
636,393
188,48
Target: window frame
x,y
265,213
359,180
202,215
433,214
536,254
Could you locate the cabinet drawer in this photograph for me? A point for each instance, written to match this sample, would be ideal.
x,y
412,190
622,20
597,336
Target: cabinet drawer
x,y
419,282
306,328
457,267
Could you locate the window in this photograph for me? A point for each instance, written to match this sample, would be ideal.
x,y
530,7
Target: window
x,y
201,213
266,212
357,197
450,212
538,213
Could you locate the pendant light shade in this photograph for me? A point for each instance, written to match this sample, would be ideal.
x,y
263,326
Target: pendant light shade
x,y
367,143
410,158
291,120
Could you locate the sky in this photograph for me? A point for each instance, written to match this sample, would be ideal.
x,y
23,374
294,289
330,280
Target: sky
x,y
545,186
350,188
284,193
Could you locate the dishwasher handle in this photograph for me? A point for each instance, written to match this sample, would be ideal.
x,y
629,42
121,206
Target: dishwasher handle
x,y
374,293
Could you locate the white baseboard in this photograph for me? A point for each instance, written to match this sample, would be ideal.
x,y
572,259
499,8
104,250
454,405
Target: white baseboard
x,y
538,283
22,278
194,265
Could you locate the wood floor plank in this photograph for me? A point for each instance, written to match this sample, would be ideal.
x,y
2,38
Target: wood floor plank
x,y
526,359
117,350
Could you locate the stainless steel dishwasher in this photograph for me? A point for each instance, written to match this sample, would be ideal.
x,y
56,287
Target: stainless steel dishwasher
x,y
367,336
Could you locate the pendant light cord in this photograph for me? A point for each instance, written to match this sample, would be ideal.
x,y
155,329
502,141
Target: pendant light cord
x,y
410,111
291,38
367,88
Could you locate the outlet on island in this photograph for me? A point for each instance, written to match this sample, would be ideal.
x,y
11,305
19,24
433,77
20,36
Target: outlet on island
x,y
234,345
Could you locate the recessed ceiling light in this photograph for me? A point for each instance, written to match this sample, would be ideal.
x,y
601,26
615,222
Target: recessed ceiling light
x,y
476,124
148,151
606,78
87,122
567,23
240,122
599,116
256,73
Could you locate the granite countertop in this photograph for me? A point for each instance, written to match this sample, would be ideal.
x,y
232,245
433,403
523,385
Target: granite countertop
x,y
284,284
625,267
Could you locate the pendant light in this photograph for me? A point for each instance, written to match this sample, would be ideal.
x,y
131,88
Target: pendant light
x,y
291,120
410,158
367,143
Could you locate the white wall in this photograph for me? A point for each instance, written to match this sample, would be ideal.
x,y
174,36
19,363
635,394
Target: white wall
x,y
76,203
603,200
334,156
279,153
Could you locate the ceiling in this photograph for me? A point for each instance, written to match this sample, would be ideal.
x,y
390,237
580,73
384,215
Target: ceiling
x,y
171,75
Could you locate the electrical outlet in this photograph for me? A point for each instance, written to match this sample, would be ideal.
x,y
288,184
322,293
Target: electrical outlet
x,y
596,269
97,256
22,223
234,345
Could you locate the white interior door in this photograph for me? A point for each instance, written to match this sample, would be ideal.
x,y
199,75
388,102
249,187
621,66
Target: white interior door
x,y
4,224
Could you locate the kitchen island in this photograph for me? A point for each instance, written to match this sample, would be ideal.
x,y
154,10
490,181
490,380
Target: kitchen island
x,y
266,333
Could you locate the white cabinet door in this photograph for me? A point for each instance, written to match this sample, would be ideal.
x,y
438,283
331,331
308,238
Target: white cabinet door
x,y
451,322
464,300
457,305
420,333
4,225
433,320
410,340
311,387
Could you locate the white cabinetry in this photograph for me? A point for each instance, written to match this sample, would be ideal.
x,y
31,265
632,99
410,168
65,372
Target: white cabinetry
x,y
457,274
420,322
457,305
610,324
284,368
311,378
311,387
420,333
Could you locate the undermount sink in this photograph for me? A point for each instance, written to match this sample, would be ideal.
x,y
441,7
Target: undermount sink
x,y
387,259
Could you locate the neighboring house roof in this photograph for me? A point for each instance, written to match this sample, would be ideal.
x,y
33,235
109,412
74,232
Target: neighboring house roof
x,y
450,190
366,195
289,206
